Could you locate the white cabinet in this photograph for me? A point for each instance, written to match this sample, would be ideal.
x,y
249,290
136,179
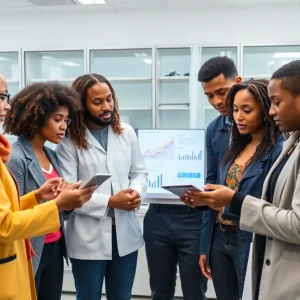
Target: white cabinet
x,y
173,66
130,73
156,87
262,61
64,66
10,68
206,113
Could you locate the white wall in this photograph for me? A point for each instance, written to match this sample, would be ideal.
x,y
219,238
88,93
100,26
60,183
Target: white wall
x,y
214,26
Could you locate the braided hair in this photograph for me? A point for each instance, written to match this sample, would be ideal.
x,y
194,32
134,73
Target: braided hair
x,y
258,89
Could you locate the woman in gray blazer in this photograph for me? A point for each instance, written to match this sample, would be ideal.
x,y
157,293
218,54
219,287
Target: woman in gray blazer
x,y
275,218
39,113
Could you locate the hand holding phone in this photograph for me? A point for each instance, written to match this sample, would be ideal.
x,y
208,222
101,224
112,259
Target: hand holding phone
x,y
97,179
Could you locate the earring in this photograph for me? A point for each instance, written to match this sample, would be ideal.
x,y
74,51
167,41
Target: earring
x,y
265,119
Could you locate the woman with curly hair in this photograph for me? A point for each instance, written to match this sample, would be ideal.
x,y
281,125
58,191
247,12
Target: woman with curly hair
x,y
104,237
39,113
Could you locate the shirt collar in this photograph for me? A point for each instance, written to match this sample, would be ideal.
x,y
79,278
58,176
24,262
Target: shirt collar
x,y
224,123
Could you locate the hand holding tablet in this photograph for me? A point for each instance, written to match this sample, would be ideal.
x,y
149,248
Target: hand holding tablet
x,y
180,190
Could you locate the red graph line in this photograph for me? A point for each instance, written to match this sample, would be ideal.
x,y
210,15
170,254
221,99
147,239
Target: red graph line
x,y
152,153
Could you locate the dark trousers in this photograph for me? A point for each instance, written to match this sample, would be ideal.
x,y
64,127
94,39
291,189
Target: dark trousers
x,y
118,273
50,273
225,263
172,236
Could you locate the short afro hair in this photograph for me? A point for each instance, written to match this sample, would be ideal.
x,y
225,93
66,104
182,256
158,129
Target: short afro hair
x,y
290,76
34,104
216,66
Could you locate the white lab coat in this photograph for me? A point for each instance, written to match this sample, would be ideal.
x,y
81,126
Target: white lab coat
x,y
89,230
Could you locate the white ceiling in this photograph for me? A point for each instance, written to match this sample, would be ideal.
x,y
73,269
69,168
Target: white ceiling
x,y
54,6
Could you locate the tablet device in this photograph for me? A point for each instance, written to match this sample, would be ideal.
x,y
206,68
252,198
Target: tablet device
x,y
97,179
179,190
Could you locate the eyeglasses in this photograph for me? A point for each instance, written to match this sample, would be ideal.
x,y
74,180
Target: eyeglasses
x,y
4,97
68,121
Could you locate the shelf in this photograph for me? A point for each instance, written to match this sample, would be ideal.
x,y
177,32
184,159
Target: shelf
x,y
174,107
13,81
114,79
257,76
171,78
51,79
135,108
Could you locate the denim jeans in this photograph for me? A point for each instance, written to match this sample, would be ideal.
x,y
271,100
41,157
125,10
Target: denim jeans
x,y
119,275
225,263
172,236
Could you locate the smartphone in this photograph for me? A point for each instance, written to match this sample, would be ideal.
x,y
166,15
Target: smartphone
x,y
179,190
97,179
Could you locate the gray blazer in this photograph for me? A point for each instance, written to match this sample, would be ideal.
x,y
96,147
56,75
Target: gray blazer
x,y
25,167
280,223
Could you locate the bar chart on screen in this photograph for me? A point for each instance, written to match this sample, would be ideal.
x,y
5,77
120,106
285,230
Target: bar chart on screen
x,y
191,156
172,157
155,180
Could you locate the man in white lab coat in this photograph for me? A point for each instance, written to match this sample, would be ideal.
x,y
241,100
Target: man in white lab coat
x,y
104,236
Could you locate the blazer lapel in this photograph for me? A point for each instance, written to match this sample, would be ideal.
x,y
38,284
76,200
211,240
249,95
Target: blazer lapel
x,y
53,161
36,172
283,175
33,167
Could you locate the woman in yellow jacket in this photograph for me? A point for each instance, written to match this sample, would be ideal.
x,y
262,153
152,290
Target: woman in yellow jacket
x,y
22,218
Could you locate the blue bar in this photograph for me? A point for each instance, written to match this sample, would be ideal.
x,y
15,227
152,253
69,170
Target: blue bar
x,y
158,183
196,175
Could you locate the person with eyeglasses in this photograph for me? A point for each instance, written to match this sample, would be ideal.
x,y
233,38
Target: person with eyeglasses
x,y
39,113
4,97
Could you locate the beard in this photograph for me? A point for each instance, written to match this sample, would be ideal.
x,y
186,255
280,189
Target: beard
x,y
97,121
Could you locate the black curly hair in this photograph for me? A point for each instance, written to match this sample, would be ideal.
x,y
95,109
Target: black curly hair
x,y
33,106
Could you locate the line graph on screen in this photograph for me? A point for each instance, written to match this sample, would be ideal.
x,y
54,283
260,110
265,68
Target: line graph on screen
x,y
164,151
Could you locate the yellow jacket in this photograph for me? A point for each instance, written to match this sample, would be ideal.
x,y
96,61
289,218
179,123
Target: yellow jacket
x,y
19,220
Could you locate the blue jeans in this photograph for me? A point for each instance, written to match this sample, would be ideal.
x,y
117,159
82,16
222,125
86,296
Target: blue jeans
x,y
119,275
172,236
225,263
